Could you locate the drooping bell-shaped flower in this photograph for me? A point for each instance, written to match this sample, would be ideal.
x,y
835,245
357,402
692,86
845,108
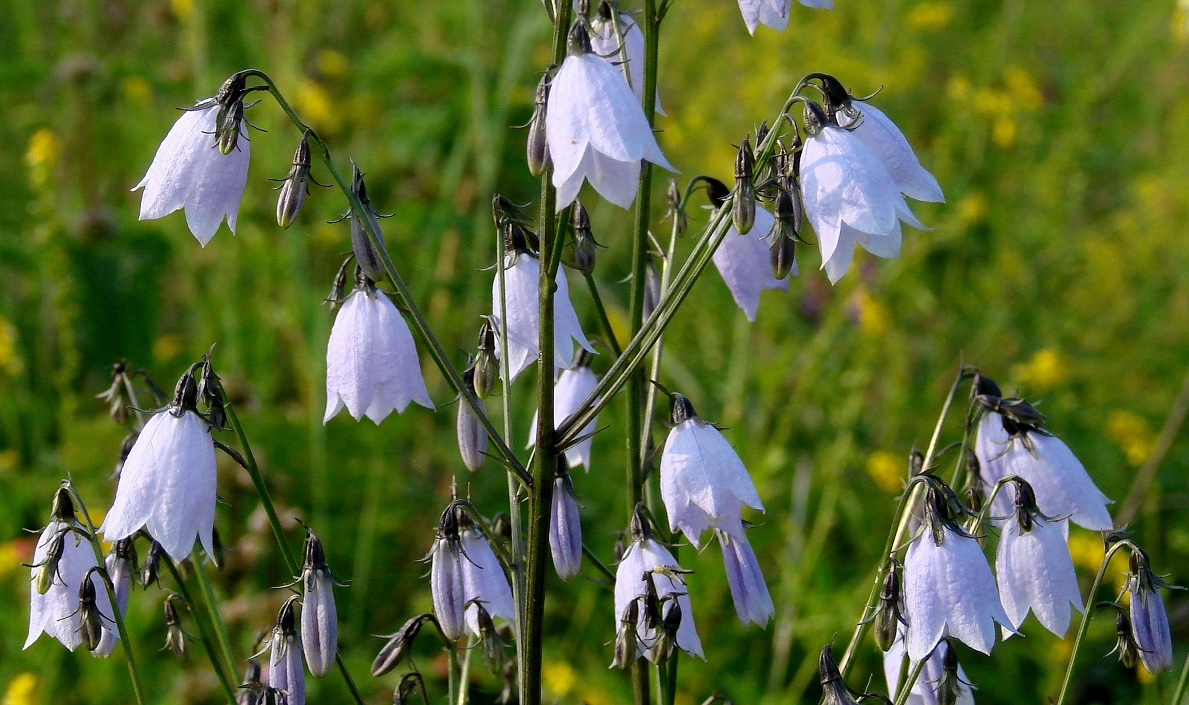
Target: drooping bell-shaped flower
x,y
647,576
522,273
573,387
1149,620
948,586
628,54
319,616
565,528
933,678
703,482
285,672
774,13
749,591
121,565
744,261
472,437
202,165
62,560
371,360
484,582
595,127
446,578
1034,568
1063,487
849,196
167,485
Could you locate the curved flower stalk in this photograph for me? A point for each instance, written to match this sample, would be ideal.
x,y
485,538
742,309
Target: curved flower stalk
x,y
595,127
605,41
62,560
201,165
927,690
774,13
749,592
703,482
1034,568
948,586
167,485
522,277
285,673
648,577
573,387
372,366
1011,442
744,261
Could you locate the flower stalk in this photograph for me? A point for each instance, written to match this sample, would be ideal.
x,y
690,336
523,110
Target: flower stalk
x,y
203,635
1085,623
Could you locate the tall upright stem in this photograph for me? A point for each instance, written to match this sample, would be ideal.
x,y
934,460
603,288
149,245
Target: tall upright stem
x,y
212,607
203,635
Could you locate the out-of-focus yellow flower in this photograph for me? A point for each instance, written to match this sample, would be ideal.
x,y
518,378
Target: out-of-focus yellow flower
x,y
971,209
1142,675
874,318
166,347
332,64
1003,132
594,696
1086,551
316,106
9,458
1022,88
559,677
1180,20
136,89
888,470
10,362
42,155
1042,371
1131,433
10,558
182,9
21,690
929,16
959,88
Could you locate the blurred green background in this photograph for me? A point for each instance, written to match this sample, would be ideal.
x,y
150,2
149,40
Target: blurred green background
x,y
1058,130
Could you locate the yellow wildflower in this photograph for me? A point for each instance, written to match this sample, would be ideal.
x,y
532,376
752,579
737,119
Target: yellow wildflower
x,y
42,155
21,690
887,469
1131,433
1042,371
929,16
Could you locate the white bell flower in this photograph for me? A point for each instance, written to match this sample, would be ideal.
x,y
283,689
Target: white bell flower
x,y
704,484
774,13
189,171
745,264
605,42
484,581
522,272
889,144
749,591
925,690
371,360
572,388
63,557
638,565
285,672
595,128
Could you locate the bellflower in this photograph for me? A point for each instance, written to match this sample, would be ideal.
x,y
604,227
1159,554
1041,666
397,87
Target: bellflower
x,y
522,273
850,198
573,387
167,485
446,577
371,360
484,581
1034,568
472,437
284,660
565,528
1149,621
926,690
202,165
748,589
595,127
703,482
1063,488
319,616
120,564
61,562
774,13
948,586
744,262
605,42
647,561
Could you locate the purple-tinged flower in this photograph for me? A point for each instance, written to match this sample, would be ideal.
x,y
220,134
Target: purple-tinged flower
x,y
605,42
748,589
948,586
573,387
484,582
933,677
744,261
595,127
167,485
319,616
1149,621
1034,568
472,437
446,577
284,659
202,165
565,528
774,13
121,566
522,275
704,484
1063,488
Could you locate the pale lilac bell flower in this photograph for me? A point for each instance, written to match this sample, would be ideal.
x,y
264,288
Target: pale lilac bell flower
x,y
572,388
1149,620
644,555
372,366
319,615
285,672
167,485
704,484
774,13
565,528
749,591
484,581
595,127
522,274
605,42
925,690
745,263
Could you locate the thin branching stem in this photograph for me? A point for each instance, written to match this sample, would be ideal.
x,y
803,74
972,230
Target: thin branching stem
x,y
212,604
907,684
1086,615
203,634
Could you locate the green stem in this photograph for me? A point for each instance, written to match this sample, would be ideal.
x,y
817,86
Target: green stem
x,y
464,678
602,567
907,684
203,634
1085,624
117,616
657,350
1179,694
420,324
208,594
452,679
604,321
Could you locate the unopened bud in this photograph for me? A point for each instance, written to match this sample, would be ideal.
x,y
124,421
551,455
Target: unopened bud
x,y
45,572
782,255
743,212
584,243
285,671
228,123
472,437
125,449
150,569
625,636
398,645
834,690
250,690
538,148
361,244
565,527
1125,645
319,616
175,636
90,628
485,367
888,617
403,695
949,686
295,186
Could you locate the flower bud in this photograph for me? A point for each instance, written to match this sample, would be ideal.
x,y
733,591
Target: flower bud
x,y
90,628
1125,645
403,695
250,690
565,527
782,255
125,449
446,579
121,565
584,242
1149,620
485,367
365,251
285,672
295,186
625,636
175,636
538,148
46,571
949,686
228,123
743,212
834,690
888,617
398,645
472,437
319,617
150,569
